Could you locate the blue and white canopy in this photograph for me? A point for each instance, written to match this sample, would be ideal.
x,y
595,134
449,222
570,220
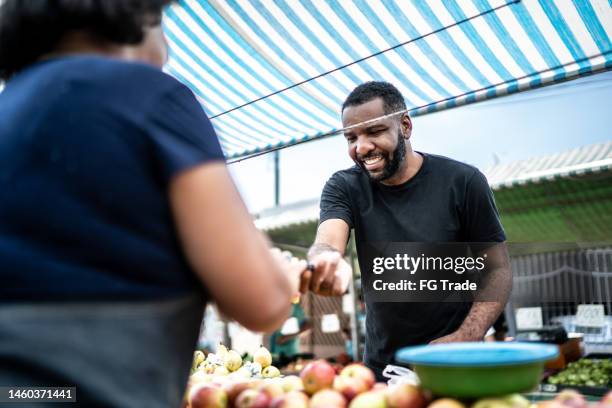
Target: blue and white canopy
x,y
272,73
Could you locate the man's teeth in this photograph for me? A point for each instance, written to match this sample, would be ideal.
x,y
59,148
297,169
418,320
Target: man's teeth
x,y
372,160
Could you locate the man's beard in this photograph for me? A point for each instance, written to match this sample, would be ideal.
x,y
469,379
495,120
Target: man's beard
x,y
391,165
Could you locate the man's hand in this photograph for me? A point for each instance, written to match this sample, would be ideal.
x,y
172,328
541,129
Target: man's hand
x,y
490,299
329,274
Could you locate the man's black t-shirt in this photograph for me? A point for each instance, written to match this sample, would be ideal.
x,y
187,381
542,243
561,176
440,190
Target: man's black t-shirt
x,y
446,201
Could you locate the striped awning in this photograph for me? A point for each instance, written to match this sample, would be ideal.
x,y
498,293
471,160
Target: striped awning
x,y
272,73
589,159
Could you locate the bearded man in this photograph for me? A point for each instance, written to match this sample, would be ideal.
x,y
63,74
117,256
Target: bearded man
x,y
396,194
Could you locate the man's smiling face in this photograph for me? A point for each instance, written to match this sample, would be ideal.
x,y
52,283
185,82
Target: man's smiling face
x,y
378,147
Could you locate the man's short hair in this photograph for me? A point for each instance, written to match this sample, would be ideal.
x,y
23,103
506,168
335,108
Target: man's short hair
x,y
393,101
33,28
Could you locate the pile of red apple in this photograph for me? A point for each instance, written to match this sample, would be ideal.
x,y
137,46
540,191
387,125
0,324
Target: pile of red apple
x,y
318,386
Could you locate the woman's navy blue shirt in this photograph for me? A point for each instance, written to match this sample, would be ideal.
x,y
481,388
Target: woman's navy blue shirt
x,y
88,146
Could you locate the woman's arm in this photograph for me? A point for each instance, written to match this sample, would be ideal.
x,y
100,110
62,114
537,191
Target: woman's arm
x,y
229,255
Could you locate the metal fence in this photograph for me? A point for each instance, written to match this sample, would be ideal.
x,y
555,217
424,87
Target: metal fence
x,y
561,283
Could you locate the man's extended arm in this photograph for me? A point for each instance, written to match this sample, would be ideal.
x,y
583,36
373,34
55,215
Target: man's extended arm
x,y
331,274
490,299
320,247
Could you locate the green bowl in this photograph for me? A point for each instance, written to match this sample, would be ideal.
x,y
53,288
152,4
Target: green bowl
x,y
476,370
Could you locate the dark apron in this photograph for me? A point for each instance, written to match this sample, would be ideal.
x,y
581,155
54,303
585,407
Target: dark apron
x,y
128,354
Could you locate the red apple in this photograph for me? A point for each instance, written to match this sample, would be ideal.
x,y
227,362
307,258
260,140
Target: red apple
x,y
349,387
359,371
405,396
207,396
252,399
327,399
234,389
369,399
317,376
293,399
380,386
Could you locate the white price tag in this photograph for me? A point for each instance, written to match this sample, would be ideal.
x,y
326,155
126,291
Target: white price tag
x,y
291,326
529,318
590,316
347,303
330,323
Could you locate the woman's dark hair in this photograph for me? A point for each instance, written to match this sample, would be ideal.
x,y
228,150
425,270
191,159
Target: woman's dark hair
x,y
30,29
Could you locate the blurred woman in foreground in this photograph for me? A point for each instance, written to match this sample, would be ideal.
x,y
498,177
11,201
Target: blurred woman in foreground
x,y
118,219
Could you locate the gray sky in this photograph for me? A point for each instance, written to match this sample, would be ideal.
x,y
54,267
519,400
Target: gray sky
x,y
533,123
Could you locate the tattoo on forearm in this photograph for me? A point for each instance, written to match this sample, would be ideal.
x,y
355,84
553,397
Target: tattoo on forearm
x,y
318,248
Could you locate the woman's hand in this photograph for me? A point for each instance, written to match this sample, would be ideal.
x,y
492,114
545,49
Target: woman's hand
x,y
293,266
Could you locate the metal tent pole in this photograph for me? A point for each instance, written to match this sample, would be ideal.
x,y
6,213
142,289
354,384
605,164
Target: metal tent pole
x,y
276,178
